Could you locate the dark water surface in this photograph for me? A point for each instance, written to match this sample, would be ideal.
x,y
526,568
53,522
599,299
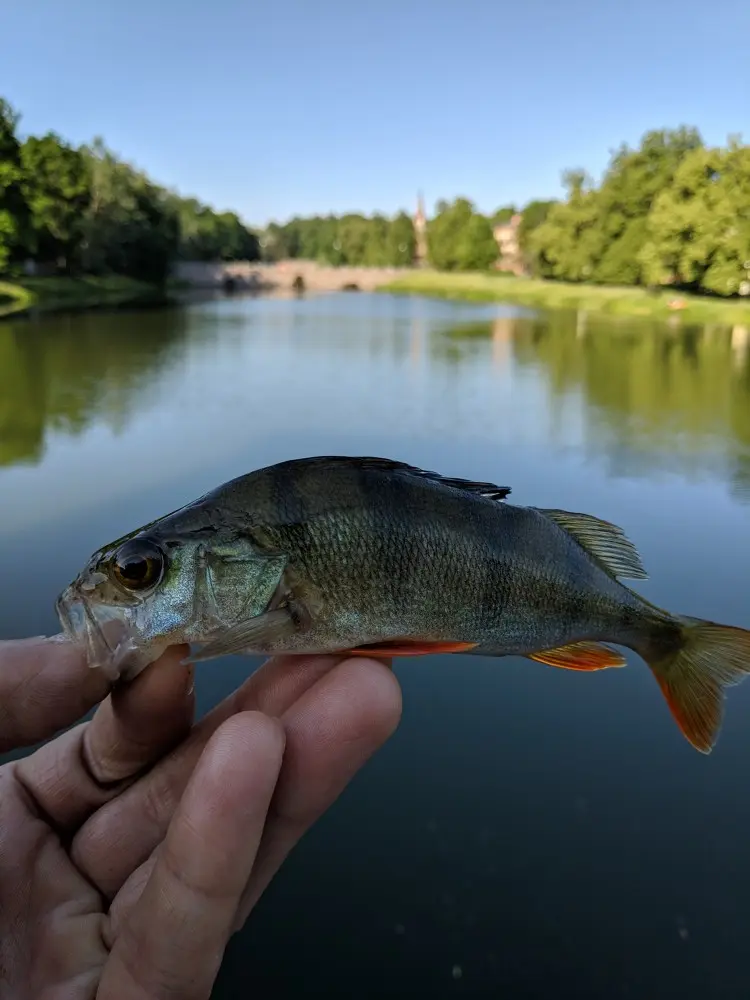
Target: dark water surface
x,y
528,832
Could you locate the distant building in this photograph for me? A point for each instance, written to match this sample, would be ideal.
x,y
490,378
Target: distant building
x,y
420,231
508,243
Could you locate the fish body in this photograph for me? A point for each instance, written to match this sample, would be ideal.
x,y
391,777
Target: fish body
x,y
373,556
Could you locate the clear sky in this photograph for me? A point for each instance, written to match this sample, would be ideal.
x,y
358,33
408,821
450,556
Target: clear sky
x,y
310,106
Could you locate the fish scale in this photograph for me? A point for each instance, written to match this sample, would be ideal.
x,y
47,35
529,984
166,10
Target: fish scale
x,y
373,556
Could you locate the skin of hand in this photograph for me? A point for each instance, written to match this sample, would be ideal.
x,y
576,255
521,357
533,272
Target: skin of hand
x,y
135,844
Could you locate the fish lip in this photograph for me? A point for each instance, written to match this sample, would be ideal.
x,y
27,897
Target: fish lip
x,y
64,605
85,629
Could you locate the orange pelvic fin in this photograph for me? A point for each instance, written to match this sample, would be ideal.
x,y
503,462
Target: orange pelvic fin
x,y
580,656
410,647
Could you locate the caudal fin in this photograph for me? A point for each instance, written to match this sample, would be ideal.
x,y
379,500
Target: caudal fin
x,y
707,658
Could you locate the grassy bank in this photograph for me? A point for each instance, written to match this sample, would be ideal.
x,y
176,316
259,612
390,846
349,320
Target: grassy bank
x,y
63,293
539,294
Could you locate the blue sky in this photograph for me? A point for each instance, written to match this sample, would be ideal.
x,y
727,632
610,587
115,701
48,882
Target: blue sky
x,y
303,106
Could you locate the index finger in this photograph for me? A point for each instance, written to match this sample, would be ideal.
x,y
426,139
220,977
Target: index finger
x,y
45,685
172,943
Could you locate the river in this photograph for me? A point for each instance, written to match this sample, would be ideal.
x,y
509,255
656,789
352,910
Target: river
x,y
528,832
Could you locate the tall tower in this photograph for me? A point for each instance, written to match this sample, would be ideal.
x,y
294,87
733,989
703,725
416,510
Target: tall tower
x,y
420,231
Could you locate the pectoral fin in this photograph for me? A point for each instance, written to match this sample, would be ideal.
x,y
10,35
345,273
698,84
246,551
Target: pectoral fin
x,y
580,656
410,647
254,634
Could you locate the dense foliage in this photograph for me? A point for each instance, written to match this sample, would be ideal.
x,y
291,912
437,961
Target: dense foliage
x,y
671,212
84,210
348,239
458,238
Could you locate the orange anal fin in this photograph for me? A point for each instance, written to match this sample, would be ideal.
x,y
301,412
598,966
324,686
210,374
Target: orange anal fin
x,y
580,656
410,647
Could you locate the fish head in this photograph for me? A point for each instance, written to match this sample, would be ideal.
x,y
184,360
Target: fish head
x,y
157,588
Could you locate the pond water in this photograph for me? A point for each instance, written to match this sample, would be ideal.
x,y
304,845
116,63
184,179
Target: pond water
x,y
527,832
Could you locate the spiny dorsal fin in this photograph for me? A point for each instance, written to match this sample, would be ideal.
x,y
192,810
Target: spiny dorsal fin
x,y
489,490
604,541
375,464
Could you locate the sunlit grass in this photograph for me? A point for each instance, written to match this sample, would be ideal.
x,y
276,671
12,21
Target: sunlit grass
x,y
13,299
50,294
614,301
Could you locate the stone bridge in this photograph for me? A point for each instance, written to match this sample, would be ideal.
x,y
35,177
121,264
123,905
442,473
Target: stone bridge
x,y
243,275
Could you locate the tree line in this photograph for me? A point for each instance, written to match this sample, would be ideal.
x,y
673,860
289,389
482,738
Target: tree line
x,y
84,210
672,211
459,238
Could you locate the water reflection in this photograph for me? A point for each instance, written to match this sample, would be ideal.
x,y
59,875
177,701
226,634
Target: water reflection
x,y
63,374
652,396
656,396
540,828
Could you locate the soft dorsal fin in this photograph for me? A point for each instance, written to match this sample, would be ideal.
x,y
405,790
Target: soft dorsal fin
x,y
605,542
386,465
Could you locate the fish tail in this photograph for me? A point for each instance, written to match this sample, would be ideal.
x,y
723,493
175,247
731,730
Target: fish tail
x,y
694,661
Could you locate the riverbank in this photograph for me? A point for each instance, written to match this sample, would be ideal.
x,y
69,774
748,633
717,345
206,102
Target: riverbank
x,y
539,294
60,294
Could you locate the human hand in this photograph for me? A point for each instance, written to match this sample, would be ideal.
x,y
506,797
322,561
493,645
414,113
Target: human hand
x,y
133,845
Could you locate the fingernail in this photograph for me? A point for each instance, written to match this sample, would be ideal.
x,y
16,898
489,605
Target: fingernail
x,y
190,669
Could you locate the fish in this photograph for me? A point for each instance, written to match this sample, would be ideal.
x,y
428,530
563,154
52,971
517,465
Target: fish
x,y
376,557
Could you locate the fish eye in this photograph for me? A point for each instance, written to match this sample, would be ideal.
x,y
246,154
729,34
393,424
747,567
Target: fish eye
x,y
138,564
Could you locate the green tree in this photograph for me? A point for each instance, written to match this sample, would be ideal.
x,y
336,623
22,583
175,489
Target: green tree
x,y
631,183
460,239
353,238
699,227
208,235
503,215
323,239
13,208
55,185
402,241
597,234
129,227
376,253
477,249
568,242
316,237
532,216
276,244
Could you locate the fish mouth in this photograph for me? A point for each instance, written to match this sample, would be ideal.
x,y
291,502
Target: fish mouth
x,y
103,631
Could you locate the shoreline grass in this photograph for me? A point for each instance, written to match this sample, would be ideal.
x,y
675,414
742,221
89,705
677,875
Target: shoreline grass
x,y
61,294
541,294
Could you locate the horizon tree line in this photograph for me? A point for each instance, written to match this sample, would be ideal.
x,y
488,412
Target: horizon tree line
x,y
671,211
